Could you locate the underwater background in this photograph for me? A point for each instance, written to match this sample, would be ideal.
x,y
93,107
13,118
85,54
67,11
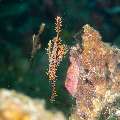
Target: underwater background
x,y
20,19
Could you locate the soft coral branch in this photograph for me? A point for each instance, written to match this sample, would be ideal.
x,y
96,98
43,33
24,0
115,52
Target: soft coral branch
x,y
56,51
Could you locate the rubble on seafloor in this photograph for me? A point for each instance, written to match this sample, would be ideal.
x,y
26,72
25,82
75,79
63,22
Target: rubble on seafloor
x,y
16,106
93,77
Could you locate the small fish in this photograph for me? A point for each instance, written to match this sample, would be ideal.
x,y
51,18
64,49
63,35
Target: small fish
x,y
36,44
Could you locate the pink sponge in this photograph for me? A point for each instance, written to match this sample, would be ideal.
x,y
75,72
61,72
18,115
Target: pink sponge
x,y
72,77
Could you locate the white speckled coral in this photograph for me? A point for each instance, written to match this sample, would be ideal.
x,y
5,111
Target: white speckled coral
x,y
93,76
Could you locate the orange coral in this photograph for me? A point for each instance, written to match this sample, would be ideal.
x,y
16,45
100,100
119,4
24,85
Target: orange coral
x,y
56,50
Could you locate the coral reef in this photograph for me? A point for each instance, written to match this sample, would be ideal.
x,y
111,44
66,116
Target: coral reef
x,y
93,77
16,106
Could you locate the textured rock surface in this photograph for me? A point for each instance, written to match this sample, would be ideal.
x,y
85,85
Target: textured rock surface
x,y
93,76
15,106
